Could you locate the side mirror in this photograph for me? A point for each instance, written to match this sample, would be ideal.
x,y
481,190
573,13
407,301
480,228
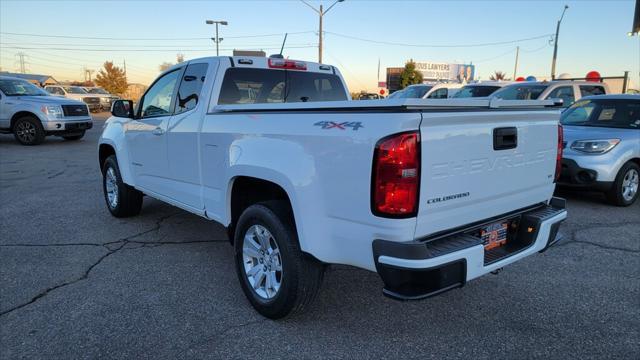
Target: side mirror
x,y
122,108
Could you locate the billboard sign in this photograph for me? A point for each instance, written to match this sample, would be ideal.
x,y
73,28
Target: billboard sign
x,y
444,71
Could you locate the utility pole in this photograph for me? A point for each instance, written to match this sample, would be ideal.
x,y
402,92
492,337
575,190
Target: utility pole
x,y
88,73
21,56
321,12
217,39
555,45
515,69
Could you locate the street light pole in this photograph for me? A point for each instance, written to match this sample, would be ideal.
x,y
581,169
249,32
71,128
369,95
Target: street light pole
x,y
217,39
555,45
321,14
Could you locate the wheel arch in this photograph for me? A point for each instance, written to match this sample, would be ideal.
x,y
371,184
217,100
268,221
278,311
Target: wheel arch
x,y
23,113
245,190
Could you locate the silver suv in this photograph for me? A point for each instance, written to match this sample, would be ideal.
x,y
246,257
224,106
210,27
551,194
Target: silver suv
x,y
30,113
602,146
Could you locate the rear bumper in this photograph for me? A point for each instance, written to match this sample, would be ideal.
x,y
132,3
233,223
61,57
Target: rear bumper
x,y
424,268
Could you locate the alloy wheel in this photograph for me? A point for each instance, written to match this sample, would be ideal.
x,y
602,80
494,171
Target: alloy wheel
x,y
262,262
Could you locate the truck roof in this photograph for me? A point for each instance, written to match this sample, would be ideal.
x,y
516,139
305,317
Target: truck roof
x,y
262,63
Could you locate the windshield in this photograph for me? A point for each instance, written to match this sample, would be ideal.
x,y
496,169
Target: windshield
x,y
395,95
74,90
15,87
471,91
414,92
520,92
609,113
97,91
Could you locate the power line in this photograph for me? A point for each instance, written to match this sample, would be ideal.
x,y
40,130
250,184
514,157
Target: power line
x,y
438,46
134,46
139,50
150,39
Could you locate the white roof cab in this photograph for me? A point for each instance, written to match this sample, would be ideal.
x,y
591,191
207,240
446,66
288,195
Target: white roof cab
x,y
568,91
481,89
302,177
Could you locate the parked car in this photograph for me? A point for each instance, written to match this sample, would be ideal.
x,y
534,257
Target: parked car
x,y
481,89
30,113
395,95
568,91
77,93
412,91
602,146
443,91
106,99
370,96
301,177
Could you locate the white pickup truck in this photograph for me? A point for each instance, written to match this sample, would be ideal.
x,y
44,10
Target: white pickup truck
x,y
428,193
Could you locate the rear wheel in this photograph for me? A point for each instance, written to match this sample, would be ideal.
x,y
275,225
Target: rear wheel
x,y
624,191
73,137
28,131
277,278
122,200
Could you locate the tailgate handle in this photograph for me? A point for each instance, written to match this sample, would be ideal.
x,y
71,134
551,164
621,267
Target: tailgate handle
x,y
505,138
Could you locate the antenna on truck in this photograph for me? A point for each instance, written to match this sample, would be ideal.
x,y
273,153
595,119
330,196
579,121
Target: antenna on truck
x,y
283,42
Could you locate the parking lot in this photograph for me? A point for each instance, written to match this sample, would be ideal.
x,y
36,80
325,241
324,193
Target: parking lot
x,y
79,283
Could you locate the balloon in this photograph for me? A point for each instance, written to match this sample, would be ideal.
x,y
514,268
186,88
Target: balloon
x,y
593,76
520,78
531,78
382,91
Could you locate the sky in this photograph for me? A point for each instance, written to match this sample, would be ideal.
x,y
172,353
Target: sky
x,y
62,38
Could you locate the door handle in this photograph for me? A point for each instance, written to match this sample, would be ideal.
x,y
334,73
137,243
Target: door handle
x,y
505,138
158,131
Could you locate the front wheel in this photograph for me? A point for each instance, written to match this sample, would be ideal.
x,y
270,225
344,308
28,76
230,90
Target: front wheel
x,y
624,191
277,278
28,131
122,200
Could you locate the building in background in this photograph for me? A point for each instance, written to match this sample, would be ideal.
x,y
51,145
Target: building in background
x,y
134,92
36,79
433,72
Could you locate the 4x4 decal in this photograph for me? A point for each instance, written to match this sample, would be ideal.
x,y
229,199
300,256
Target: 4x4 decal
x,y
354,125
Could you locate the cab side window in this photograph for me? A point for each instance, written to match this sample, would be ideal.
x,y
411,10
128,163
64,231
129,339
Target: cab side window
x,y
439,94
190,87
159,98
565,93
55,90
588,90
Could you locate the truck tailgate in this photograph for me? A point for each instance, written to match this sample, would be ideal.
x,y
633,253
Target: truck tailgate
x,y
466,177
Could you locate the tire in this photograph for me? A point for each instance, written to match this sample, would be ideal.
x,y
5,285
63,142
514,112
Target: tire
x,y
300,275
625,189
122,200
74,137
28,130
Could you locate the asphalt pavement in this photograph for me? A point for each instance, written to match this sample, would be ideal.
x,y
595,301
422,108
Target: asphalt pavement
x,y
78,283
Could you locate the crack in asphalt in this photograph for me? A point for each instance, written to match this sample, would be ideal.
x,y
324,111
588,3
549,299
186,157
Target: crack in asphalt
x,y
112,247
221,333
573,232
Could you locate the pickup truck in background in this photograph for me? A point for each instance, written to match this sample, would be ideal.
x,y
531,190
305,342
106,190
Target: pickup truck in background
x,y
30,113
106,99
427,193
76,93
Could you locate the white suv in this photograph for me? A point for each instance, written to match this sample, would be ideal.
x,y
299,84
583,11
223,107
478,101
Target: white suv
x,y
567,90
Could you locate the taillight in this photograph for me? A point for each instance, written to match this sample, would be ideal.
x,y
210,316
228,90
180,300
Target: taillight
x,y
559,153
287,64
396,175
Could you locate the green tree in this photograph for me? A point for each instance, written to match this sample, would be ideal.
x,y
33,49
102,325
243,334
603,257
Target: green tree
x,y
410,75
112,78
498,75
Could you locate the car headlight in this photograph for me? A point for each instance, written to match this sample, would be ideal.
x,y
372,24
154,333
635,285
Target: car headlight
x,y
594,146
52,111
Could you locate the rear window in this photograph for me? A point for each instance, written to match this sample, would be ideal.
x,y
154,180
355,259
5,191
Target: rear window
x,y
476,91
520,92
611,113
258,86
